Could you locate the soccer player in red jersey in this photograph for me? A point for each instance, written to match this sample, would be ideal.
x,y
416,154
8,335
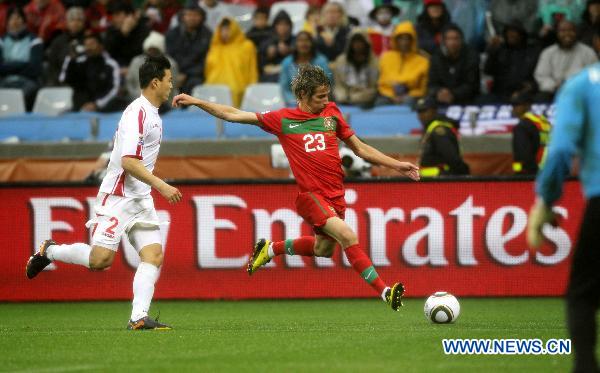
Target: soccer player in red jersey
x,y
309,136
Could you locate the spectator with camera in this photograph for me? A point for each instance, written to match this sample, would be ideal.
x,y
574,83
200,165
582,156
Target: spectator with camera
x,y
94,78
68,42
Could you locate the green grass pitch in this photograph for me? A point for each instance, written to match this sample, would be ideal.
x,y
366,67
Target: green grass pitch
x,y
273,336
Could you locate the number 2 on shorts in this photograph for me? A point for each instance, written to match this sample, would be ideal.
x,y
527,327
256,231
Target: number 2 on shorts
x,y
115,222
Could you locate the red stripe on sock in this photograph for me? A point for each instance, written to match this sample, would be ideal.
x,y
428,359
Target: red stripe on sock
x,y
360,261
303,246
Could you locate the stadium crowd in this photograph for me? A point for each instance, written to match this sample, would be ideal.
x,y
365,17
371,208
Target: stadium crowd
x,y
380,53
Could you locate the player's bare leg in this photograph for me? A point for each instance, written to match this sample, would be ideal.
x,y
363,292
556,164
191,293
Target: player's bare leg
x,y
345,236
144,280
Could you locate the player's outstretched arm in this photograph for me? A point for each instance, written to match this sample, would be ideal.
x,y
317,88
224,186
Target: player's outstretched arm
x,y
225,112
136,169
372,155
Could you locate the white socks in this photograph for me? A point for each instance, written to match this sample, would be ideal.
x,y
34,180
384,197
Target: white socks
x,y
143,289
77,253
383,293
270,251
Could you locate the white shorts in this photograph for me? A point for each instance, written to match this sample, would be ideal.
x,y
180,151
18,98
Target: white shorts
x,y
116,216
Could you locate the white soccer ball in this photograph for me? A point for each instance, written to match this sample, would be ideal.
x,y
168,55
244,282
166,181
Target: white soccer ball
x,y
442,308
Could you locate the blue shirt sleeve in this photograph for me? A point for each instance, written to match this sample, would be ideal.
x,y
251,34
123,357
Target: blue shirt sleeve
x,y
565,138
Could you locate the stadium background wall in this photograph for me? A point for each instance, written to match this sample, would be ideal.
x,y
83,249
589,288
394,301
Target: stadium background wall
x,y
467,237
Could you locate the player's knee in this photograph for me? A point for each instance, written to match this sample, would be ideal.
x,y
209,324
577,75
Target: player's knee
x,y
155,258
348,238
100,262
324,251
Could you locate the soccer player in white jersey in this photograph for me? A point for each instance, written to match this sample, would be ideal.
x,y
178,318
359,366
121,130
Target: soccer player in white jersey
x,y
124,205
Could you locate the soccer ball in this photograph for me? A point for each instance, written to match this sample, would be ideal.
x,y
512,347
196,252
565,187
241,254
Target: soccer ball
x,y
442,308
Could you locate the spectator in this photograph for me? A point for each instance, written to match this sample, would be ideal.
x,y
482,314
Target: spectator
x,y
511,64
154,45
158,13
430,23
304,52
45,18
94,78
97,16
380,34
68,42
590,22
276,48
355,73
214,10
504,12
560,61
554,11
21,55
188,44
331,40
454,70
312,21
260,30
231,59
126,33
440,151
403,71
5,6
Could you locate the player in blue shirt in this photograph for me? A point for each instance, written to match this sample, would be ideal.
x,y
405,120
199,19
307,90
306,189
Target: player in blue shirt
x,y
576,132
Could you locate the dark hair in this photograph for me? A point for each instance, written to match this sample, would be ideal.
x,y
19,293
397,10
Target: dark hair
x,y
453,27
350,52
425,19
261,10
95,36
153,67
17,10
119,6
308,79
313,47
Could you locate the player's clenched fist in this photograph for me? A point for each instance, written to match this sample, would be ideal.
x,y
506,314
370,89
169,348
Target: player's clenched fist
x,y
183,100
171,194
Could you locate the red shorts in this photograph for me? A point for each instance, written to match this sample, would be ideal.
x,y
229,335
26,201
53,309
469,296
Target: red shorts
x,y
316,209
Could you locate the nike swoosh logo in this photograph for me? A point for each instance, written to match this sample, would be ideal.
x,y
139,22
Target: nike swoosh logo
x,y
294,126
368,274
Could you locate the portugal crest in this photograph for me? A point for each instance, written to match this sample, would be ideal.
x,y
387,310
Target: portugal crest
x,y
329,123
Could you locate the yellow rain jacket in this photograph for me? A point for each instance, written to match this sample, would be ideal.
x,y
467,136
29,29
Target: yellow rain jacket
x,y
410,69
232,63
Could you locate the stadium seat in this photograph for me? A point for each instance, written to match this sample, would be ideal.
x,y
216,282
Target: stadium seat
x,y
296,10
219,93
262,96
53,100
12,101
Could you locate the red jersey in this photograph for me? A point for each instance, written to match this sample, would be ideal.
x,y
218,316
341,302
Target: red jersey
x,y
311,146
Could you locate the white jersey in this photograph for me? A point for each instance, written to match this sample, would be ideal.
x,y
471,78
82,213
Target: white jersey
x,y
138,136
